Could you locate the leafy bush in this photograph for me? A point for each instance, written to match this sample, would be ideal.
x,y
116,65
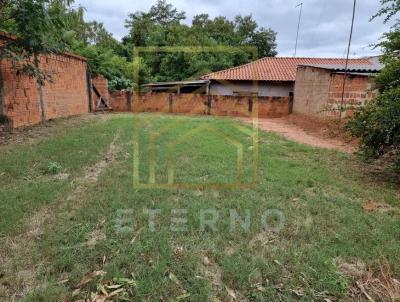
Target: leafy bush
x,y
378,125
53,168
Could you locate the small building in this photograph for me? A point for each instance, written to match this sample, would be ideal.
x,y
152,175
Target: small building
x,y
319,88
270,76
310,86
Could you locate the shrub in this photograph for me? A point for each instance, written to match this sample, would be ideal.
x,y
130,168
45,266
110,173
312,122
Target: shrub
x,y
53,168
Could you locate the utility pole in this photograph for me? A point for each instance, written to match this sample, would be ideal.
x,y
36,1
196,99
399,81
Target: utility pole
x,y
347,60
298,27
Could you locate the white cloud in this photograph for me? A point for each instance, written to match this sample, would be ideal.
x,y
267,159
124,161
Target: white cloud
x,y
324,30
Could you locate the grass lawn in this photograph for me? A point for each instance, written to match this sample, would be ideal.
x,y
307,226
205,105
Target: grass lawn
x,y
73,227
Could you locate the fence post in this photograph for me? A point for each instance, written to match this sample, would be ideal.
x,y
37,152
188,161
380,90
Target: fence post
x,y
128,101
170,103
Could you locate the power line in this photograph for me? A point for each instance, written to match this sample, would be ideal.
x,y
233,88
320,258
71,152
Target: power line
x,y
347,59
298,27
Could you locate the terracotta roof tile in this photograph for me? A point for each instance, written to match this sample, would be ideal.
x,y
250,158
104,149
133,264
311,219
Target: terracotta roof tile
x,y
275,68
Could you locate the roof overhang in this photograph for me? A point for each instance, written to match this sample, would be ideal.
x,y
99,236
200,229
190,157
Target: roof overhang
x,y
353,68
177,83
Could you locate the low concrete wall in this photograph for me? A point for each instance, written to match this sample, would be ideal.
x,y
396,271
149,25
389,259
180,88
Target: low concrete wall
x,y
201,104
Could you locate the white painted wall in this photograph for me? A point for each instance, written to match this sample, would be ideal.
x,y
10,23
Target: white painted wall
x,y
263,89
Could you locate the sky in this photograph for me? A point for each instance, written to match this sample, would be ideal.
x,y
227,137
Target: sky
x,y
324,29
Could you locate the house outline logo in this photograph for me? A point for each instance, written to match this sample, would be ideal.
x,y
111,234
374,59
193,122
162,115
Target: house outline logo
x,y
252,132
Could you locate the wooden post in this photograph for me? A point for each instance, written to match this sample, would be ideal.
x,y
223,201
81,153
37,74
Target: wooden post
x,y
89,90
129,101
170,103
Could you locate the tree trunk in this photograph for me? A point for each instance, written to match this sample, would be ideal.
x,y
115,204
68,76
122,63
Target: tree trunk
x,y
41,94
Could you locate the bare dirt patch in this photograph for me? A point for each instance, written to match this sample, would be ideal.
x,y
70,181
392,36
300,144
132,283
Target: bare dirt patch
x,y
307,131
371,206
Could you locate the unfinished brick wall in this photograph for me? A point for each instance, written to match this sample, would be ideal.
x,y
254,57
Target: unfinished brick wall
x,y
66,95
359,90
318,92
198,104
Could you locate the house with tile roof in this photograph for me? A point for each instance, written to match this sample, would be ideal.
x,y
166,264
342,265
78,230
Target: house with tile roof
x,y
271,76
310,86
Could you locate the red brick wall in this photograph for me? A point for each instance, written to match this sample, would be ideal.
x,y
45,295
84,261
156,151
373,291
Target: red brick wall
x,y
197,104
66,95
359,90
230,105
273,106
190,103
118,101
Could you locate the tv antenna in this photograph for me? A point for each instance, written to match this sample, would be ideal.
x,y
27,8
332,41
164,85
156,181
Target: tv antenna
x,y
298,26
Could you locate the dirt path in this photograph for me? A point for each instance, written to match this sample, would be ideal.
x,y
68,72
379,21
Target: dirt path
x,y
306,131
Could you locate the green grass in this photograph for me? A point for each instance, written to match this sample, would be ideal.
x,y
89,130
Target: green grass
x,y
320,194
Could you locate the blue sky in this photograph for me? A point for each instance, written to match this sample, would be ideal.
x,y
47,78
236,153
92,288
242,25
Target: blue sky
x,y
324,30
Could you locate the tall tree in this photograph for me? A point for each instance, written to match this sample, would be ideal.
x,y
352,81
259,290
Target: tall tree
x,y
162,26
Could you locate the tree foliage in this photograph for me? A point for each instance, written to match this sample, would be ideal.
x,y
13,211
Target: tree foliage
x,y
163,25
39,27
54,25
378,123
